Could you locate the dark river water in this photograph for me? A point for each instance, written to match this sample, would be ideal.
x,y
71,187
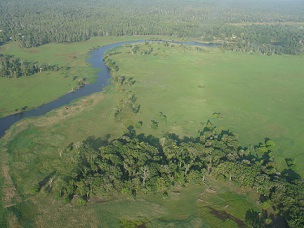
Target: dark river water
x,y
96,60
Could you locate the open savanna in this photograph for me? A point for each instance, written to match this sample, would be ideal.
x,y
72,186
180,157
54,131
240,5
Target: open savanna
x,y
259,96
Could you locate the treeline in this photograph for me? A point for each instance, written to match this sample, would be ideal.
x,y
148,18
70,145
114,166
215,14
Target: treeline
x,y
12,67
138,163
266,39
127,102
33,23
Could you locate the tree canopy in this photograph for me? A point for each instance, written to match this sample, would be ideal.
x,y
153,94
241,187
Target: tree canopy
x,y
135,163
272,27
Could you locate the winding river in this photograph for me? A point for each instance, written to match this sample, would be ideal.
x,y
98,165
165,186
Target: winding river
x,y
96,60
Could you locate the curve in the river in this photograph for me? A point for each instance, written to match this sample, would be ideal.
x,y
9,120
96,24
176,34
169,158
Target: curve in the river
x,y
104,75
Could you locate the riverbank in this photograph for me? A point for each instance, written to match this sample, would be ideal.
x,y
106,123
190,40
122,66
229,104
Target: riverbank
x,y
28,92
102,77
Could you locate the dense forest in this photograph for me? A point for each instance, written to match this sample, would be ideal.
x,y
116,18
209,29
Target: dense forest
x,y
272,27
137,163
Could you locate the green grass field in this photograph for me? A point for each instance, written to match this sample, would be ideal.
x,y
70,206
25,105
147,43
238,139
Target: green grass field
x,y
259,96
23,91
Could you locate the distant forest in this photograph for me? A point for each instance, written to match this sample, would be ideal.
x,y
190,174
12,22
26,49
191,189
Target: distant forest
x,y
267,27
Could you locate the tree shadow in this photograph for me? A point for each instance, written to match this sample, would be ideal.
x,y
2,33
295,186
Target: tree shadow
x,y
178,140
208,126
278,221
150,139
96,143
226,132
174,137
290,175
45,180
187,139
131,132
264,219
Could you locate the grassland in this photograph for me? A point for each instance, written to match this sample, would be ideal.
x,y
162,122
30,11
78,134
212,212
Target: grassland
x,y
21,92
259,96
33,157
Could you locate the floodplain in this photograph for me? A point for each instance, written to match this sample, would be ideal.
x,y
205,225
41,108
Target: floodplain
x,y
178,87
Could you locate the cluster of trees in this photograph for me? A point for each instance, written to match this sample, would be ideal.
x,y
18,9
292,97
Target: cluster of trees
x,y
111,64
136,49
127,102
12,67
33,23
136,163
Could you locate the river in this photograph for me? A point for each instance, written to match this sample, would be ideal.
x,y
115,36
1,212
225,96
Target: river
x,y
103,76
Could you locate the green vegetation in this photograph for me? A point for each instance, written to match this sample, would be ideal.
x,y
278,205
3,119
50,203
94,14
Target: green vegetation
x,y
158,148
248,90
272,27
48,84
2,210
133,164
12,67
172,85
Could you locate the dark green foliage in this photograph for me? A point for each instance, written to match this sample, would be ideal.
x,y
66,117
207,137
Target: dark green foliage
x,y
289,200
112,65
33,23
256,219
154,124
290,163
162,117
260,39
24,108
127,103
12,67
139,124
132,164
217,115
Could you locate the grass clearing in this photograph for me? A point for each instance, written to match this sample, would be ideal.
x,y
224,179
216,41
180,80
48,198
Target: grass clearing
x,y
22,92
